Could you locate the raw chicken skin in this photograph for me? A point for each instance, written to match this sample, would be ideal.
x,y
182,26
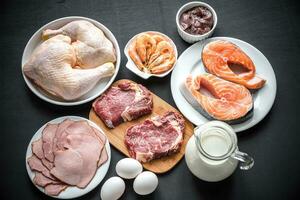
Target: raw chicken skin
x,y
51,67
90,44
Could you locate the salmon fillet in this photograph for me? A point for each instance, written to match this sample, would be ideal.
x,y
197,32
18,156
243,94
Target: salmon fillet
x,y
218,55
219,99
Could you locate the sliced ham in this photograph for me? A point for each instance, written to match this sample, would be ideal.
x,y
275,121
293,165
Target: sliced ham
x,y
60,130
36,164
90,150
49,165
55,189
41,180
103,156
80,128
68,166
67,154
37,148
47,137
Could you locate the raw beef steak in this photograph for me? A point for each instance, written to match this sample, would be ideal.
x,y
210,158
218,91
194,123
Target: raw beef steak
x,y
155,137
124,102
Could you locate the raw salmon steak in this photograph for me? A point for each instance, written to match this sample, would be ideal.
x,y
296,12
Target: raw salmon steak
x,y
218,99
220,57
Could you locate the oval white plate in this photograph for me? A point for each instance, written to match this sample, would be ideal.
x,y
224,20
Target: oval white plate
x,y
190,63
131,65
71,192
100,87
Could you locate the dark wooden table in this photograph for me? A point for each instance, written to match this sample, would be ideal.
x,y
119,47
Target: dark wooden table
x,y
271,26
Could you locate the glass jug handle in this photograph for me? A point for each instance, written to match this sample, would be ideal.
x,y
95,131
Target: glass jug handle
x,y
247,161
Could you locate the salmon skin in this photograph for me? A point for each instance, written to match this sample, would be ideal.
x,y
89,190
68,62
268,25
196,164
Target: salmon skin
x,y
219,54
227,101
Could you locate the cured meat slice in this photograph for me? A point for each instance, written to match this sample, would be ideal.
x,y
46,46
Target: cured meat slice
x,y
60,130
78,164
77,150
55,189
47,137
41,180
37,148
36,164
82,127
47,163
68,166
217,56
155,137
219,99
124,102
103,156
89,149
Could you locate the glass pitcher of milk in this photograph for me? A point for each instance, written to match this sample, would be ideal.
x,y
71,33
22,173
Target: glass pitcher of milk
x,y
212,153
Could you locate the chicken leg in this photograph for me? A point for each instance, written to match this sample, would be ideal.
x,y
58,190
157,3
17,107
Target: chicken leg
x,y
91,46
51,67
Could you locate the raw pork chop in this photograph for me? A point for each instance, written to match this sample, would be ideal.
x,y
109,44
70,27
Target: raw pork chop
x,y
124,102
155,137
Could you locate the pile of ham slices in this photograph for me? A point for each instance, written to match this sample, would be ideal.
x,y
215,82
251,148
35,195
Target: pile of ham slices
x,y
67,154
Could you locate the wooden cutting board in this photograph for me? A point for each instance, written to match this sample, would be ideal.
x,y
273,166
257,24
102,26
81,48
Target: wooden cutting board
x,y
116,135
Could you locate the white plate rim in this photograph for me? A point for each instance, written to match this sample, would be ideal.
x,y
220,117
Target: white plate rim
x,y
36,91
237,127
100,173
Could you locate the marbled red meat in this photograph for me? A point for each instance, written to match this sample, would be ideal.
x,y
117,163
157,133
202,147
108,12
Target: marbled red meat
x,y
124,102
155,137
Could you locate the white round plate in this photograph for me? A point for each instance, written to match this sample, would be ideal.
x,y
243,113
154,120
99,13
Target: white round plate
x,y
71,192
190,63
100,87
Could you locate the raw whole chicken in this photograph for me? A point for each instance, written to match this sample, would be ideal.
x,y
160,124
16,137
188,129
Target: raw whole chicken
x,y
91,46
52,66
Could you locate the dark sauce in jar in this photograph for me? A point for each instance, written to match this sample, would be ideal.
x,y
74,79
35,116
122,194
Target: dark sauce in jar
x,y
197,20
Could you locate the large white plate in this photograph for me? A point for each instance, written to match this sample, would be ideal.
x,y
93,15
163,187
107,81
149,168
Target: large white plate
x,y
71,192
100,87
190,63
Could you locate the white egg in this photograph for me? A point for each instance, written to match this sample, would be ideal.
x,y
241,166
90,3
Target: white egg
x,y
113,188
128,168
145,183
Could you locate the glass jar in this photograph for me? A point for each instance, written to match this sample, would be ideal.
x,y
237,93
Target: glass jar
x,y
212,153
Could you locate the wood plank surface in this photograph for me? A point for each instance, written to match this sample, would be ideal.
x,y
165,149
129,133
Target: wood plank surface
x,y
116,135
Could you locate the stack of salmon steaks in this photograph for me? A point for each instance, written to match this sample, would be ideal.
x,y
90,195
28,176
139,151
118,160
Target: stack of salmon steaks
x,y
224,93
67,154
